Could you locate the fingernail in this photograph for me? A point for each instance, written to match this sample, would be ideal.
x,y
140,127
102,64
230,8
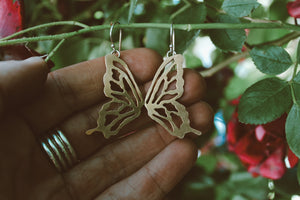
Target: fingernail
x,y
49,63
44,56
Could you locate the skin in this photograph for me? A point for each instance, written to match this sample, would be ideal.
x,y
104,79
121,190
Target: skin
x,y
144,165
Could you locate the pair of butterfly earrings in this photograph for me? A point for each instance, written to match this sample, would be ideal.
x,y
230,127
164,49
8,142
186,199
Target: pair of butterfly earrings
x,y
126,100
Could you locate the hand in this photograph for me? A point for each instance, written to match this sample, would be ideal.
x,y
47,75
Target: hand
x,y
144,165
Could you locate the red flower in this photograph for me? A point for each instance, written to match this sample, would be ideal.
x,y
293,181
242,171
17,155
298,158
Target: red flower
x,y
10,17
294,8
261,148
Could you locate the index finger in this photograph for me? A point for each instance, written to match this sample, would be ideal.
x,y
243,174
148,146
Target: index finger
x,y
80,86
20,81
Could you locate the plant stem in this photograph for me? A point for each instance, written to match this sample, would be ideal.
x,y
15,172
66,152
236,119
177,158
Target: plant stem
x,y
54,50
72,23
225,63
295,70
291,83
187,4
281,41
186,27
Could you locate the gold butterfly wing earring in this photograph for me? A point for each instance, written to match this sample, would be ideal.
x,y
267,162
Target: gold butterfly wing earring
x,y
161,100
126,98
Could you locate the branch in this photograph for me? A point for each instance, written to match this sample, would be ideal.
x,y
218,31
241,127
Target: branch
x,y
72,23
283,40
187,4
225,63
186,27
278,42
54,50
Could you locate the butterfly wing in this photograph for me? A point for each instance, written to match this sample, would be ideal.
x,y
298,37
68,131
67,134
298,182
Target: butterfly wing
x,y
125,96
161,99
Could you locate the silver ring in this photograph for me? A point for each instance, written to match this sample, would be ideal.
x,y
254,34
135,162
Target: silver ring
x,y
59,150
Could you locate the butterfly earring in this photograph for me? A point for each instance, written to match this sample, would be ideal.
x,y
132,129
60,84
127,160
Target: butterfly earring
x,y
126,100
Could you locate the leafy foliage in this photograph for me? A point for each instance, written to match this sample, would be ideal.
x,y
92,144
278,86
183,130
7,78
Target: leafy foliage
x,y
271,59
297,78
298,174
194,14
298,53
131,9
228,39
239,8
293,129
265,101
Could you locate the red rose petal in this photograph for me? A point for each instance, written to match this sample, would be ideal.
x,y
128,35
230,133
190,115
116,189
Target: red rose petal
x,y
277,127
10,17
293,159
273,167
294,8
260,148
249,150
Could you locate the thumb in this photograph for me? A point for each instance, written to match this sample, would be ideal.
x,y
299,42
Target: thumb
x,y
20,81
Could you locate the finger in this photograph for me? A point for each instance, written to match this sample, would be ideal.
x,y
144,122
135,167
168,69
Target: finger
x,y
200,114
20,81
75,127
77,87
124,157
156,179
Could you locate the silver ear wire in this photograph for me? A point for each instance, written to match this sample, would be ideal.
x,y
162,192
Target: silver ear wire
x,y
172,51
114,51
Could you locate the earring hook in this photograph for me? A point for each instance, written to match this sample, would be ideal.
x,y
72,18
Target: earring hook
x,y
114,51
172,51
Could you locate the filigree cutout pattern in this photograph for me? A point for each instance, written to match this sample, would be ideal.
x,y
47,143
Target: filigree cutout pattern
x,y
127,101
126,98
161,99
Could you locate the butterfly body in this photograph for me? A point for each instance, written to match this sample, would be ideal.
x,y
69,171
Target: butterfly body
x,y
161,101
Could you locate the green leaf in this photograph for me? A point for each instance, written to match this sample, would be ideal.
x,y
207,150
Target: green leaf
x,y
195,14
242,183
208,162
297,78
191,61
228,39
157,39
264,101
131,9
276,12
292,129
259,36
239,8
79,49
298,174
296,86
271,59
298,53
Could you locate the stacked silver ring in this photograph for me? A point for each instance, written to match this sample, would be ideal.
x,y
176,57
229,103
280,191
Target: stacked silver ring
x,y
59,150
